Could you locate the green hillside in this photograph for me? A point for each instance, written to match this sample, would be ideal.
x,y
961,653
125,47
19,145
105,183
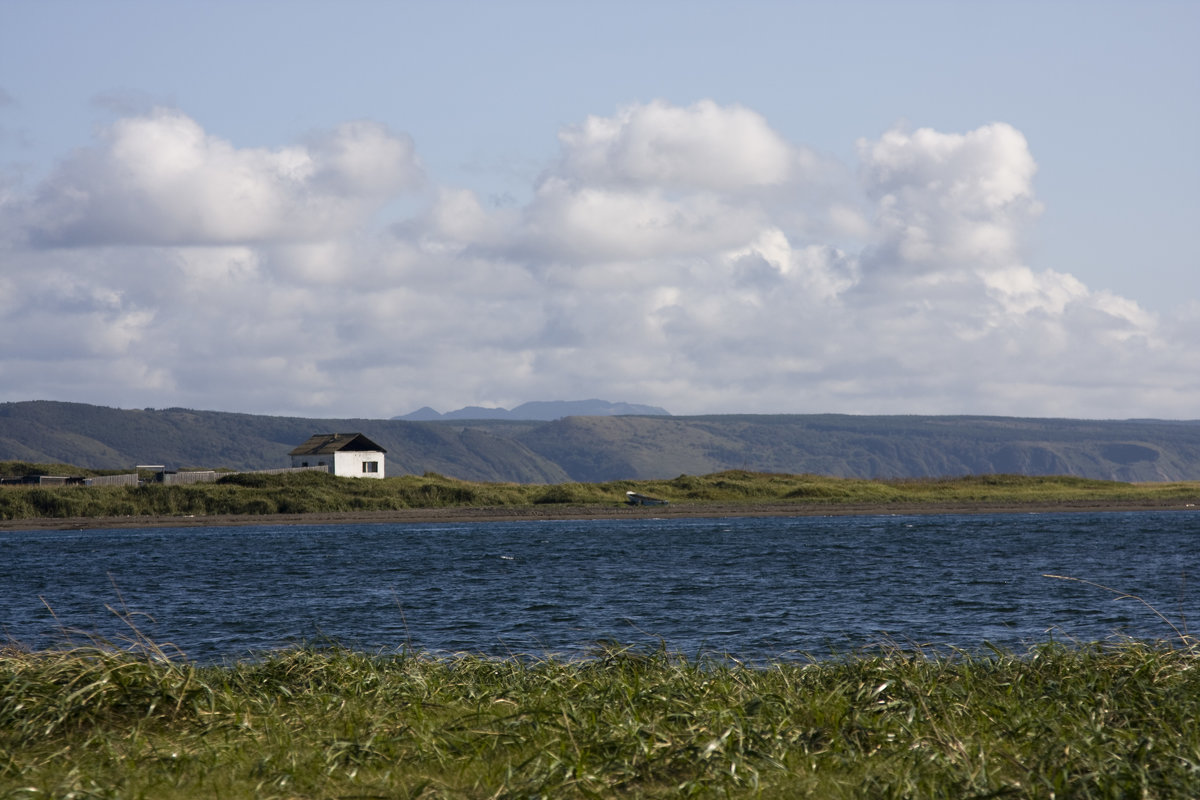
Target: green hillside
x,y
107,438
595,449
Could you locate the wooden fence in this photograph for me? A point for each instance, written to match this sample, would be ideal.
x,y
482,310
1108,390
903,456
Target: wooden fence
x,y
172,478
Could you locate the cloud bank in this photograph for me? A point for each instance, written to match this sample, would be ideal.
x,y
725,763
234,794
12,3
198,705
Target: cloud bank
x,y
687,257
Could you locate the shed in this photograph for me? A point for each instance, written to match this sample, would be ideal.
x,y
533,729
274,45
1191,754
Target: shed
x,y
349,455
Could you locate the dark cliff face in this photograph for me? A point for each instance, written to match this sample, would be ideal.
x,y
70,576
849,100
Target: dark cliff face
x,y
602,448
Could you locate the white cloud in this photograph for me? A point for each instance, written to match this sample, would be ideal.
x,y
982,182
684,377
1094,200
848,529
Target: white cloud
x,y
958,200
682,256
821,272
595,225
1020,290
703,146
161,179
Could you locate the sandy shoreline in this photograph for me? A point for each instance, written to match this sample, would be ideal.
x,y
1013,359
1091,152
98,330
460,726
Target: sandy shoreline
x,y
589,512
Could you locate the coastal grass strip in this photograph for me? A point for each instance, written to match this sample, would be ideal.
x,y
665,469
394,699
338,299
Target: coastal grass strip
x,y
316,492
1101,720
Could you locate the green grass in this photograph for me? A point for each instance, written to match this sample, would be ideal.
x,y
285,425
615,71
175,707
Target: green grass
x,y
317,492
326,722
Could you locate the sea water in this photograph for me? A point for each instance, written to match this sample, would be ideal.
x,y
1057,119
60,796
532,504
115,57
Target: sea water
x,y
751,588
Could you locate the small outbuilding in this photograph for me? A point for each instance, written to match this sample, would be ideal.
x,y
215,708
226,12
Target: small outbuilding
x,y
348,455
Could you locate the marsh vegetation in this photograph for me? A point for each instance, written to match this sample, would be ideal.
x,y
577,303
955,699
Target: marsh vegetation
x,y
323,722
316,492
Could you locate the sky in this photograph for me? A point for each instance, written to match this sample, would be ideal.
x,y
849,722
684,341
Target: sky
x,y
357,209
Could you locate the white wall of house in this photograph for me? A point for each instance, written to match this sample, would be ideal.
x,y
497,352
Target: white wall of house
x,y
312,461
358,464
346,463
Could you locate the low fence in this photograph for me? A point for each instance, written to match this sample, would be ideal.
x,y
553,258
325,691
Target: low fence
x,y
173,478
282,470
45,480
210,476
197,476
128,479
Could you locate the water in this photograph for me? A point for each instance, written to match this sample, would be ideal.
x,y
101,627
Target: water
x,y
753,588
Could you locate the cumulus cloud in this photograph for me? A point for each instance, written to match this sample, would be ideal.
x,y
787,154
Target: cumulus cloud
x,y
703,146
162,179
943,199
687,256
586,224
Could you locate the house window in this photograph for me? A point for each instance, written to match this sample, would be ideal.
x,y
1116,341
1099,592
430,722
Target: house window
x,y
370,466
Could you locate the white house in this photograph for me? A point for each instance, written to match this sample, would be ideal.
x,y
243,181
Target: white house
x,y
349,455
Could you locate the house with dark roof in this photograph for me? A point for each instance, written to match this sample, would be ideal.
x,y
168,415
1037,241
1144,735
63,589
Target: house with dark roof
x,y
349,455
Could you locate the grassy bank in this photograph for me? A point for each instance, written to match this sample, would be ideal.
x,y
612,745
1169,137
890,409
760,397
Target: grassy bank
x,y
1109,722
315,492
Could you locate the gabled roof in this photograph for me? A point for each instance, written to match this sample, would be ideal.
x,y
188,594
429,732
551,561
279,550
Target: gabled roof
x,y
323,444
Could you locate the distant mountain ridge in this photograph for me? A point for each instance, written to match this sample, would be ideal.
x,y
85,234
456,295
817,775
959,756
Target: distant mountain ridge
x,y
603,448
544,410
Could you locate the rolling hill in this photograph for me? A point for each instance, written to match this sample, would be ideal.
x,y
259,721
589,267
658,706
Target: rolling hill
x,y
601,448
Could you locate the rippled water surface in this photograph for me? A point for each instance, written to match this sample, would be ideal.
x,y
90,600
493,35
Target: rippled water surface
x,y
753,588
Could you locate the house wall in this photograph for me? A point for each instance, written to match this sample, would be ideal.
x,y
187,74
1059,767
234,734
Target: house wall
x,y
312,462
349,464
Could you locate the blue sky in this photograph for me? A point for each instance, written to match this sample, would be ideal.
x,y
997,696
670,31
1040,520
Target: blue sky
x,y
360,208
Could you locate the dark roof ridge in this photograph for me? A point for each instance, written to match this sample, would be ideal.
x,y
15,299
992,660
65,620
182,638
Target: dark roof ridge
x,y
327,443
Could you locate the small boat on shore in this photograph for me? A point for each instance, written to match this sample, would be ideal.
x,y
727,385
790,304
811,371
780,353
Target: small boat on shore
x,y
635,499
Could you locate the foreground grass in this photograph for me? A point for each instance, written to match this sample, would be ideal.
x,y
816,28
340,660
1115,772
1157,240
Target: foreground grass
x,y
315,492
1090,721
